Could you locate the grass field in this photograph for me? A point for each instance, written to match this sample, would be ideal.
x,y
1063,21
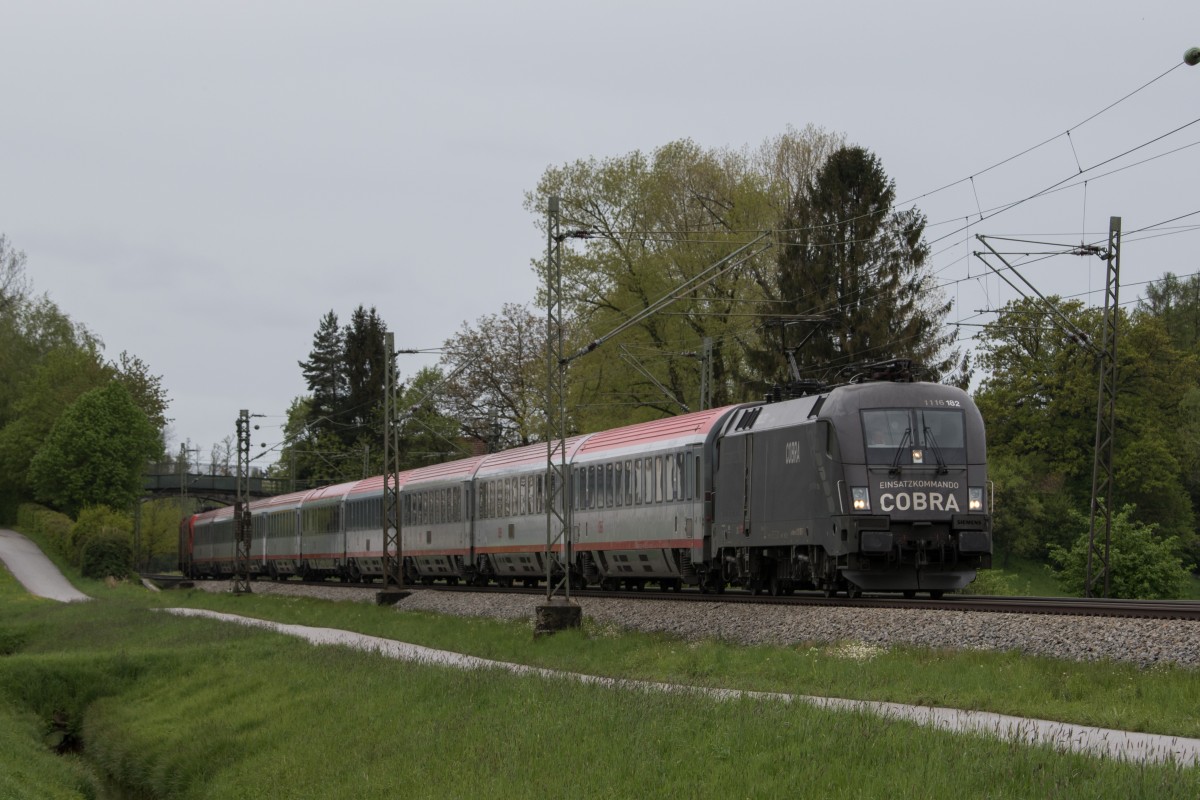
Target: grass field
x,y
192,708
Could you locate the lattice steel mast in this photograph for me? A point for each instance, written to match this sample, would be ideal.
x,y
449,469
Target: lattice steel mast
x,y
241,508
393,552
1106,422
558,505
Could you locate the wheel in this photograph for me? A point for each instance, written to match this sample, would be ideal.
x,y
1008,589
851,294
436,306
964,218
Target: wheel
x,y
829,590
853,591
909,594
609,584
936,594
775,587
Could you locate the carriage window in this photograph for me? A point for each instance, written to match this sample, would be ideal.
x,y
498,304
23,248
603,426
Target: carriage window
x,y
619,483
669,481
658,479
637,481
628,483
608,485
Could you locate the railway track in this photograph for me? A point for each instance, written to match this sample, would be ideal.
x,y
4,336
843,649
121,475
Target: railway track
x,y
1072,606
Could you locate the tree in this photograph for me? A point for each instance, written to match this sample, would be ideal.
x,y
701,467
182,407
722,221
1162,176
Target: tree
x,y
314,455
1039,401
145,388
325,375
95,452
428,434
49,388
499,396
658,221
1176,302
1141,565
221,456
848,257
365,361
14,285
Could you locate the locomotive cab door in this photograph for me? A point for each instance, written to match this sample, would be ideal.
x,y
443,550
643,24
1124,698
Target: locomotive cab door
x,y
747,485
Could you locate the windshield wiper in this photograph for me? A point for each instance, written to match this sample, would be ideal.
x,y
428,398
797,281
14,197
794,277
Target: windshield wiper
x,y
937,452
895,470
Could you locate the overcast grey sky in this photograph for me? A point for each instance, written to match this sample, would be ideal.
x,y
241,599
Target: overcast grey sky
x,y
199,182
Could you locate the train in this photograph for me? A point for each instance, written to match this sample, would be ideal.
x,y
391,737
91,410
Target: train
x,y
875,485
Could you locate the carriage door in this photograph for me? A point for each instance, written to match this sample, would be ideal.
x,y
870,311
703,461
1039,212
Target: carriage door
x,y
692,494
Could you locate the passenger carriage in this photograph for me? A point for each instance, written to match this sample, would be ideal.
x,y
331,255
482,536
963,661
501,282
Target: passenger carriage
x,y
638,495
510,514
435,526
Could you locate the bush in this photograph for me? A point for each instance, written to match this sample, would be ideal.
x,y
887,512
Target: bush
x,y
55,527
99,522
996,583
105,556
1141,565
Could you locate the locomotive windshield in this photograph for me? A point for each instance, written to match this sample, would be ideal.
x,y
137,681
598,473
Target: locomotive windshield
x,y
888,430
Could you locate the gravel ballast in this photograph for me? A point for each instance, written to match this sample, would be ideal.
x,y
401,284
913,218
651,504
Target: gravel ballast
x,y
1145,642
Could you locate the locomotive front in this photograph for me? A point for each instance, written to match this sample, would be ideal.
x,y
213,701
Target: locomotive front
x,y
914,461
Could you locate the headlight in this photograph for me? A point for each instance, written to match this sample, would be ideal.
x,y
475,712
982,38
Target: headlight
x,y
975,498
860,498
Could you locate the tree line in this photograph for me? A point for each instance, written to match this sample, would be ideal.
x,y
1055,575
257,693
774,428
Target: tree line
x,y
841,278
76,428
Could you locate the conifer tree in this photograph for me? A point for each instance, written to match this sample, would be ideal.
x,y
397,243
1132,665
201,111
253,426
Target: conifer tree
x,y
850,258
365,365
325,375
